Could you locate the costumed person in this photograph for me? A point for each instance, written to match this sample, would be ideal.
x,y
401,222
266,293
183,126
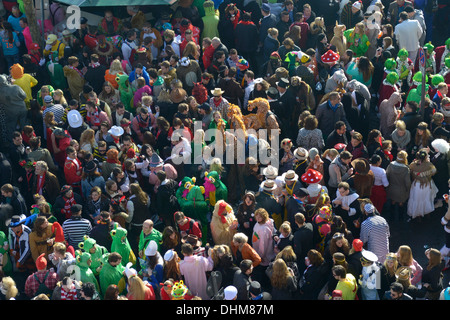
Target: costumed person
x,y
23,80
215,189
357,40
370,278
430,61
210,21
445,221
442,53
96,251
19,244
388,87
338,40
445,71
423,189
301,161
6,265
126,91
192,202
223,223
83,263
405,68
112,273
312,178
416,93
440,159
322,223
121,245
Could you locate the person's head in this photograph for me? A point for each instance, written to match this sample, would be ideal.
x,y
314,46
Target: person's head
x,y
404,255
340,127
249,76
87,291
40,168
343,188
246,266
239,239
334,98
187,249
17,138
356,139
180,218
403,16
434,258
396,289
285,16
112,292
339,272
114,259
346,157
261,215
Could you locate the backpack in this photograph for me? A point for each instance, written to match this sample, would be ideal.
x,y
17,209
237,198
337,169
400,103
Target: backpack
x,y
191,225
42,287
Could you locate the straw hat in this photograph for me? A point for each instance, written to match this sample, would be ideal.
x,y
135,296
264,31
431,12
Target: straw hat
x,y
268,185
290,175
301,153
270,172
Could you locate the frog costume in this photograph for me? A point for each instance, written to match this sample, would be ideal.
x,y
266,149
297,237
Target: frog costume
x,y
6,261
192,202
121,245
112,275
96,251
430,60
126,92
83,261
388,86
416,93
445,71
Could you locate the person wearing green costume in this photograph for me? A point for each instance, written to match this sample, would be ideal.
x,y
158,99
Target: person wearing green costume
x,y
357,41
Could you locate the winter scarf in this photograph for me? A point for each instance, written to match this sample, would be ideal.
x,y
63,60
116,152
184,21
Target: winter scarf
x,y
94,117
68,204
401,142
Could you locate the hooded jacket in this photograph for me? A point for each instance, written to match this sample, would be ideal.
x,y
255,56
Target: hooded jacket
x,y
23,80
388,114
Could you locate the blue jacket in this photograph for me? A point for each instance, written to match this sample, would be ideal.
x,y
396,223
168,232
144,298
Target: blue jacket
x,y
145,75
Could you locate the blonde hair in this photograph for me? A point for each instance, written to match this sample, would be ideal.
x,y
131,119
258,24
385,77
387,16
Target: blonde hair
x,y
61,93
88,136
400,125
136,288
116,67
280,274
402,157
263,213
10,285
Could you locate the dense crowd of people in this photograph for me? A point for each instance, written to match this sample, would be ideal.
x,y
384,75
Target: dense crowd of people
x,y
119,166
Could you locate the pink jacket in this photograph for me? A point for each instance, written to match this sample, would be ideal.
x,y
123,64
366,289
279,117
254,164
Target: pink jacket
x,y
194,269
262,241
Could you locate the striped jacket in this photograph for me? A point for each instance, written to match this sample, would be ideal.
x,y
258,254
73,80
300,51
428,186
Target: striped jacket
x,y
75,229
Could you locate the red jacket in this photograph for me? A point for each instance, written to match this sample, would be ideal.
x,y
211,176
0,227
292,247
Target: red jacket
x,y
71,170
208,56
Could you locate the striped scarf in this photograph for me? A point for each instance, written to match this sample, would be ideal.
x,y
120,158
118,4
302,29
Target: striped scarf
x,y
70,295
68,203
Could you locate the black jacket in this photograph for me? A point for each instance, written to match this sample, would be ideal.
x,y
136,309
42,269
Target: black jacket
x,y
303,242
17,202
95,77
59,205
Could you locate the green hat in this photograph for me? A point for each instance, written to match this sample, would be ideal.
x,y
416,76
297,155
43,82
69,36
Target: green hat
x,y
447,62
392,77
447,43
419,88
436,79
429,46
418,77
390,64
403,52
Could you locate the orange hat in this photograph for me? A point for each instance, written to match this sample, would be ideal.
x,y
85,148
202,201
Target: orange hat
x,y
41,262
16,71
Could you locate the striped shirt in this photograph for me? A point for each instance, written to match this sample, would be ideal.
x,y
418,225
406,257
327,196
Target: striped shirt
x,y
81,110
375,234
75,229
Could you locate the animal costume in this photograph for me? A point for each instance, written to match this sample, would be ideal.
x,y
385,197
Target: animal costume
x,y
200,93
215,189
263,118
338,40
75,80
84,261
6,261
416,93
192,202
56,72
121,245
112,275
126,92
430,59
96,256
223,223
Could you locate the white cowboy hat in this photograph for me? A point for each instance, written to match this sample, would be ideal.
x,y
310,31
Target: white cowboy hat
x,y
217,92
74,118
116,131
